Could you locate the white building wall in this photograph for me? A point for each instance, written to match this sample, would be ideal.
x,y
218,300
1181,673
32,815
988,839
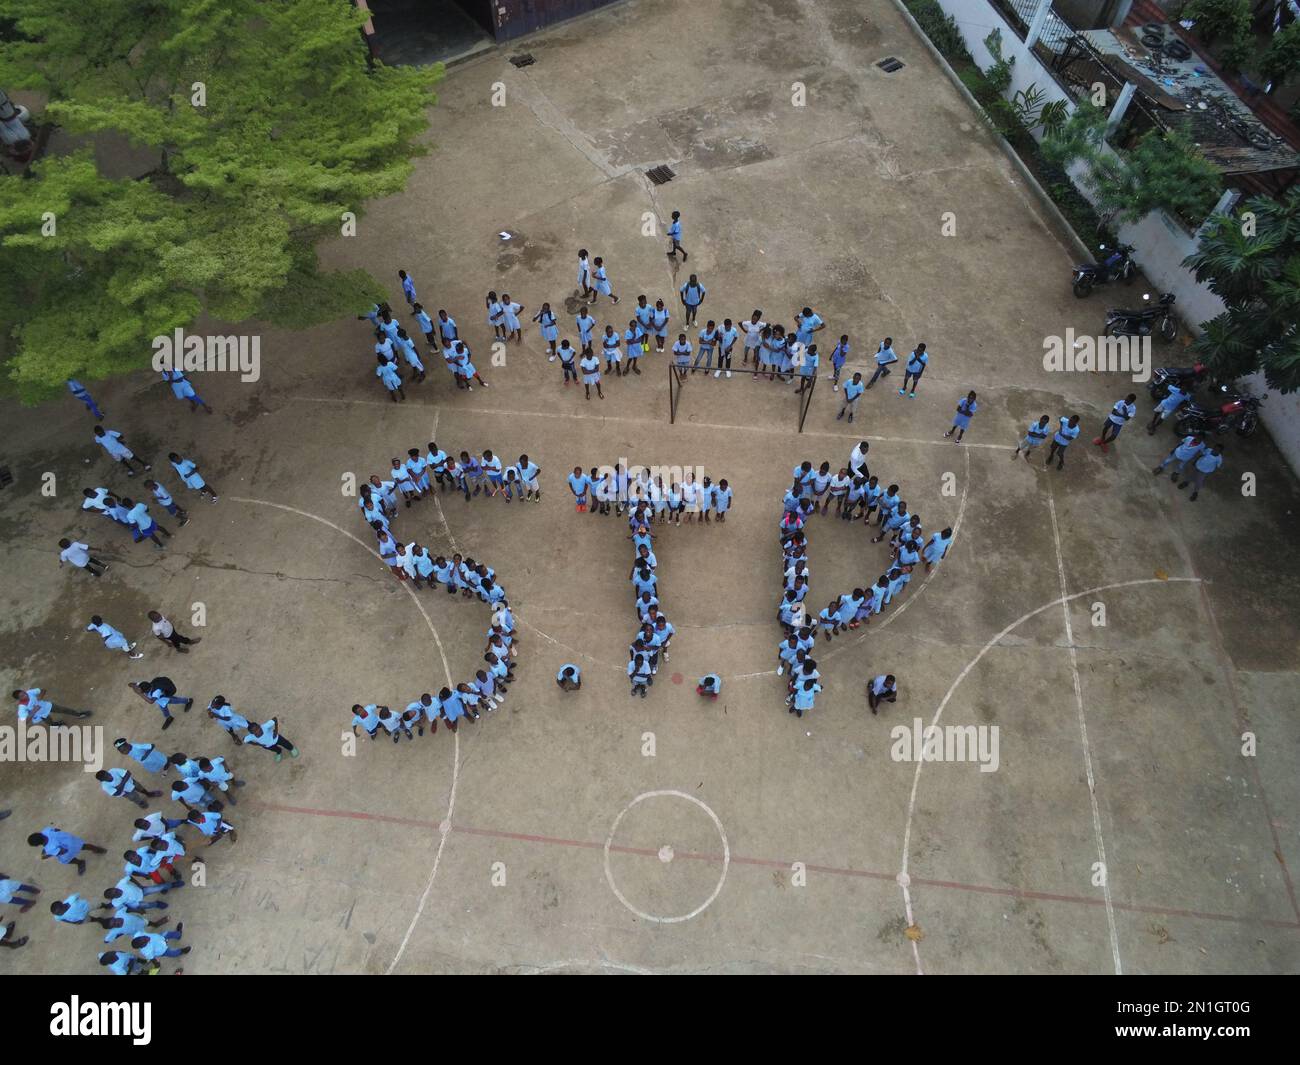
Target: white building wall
x,y
1161,241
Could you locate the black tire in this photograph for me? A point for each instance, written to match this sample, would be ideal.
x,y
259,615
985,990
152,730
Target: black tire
x,y
1130,274
1168,328
1248,424
1185,426
1083,287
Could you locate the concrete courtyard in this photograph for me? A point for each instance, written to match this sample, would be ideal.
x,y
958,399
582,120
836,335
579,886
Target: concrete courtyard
x,y
593,833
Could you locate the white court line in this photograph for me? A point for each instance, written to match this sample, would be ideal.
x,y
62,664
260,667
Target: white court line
x,y
600,418
904,879
444,829
1083,738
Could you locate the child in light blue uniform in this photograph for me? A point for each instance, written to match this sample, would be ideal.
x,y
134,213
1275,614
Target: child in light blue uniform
x,y
916,364
727,337
1188,450
966,409
586,325
722,496
1206,463
569,678
113,639
182,389
79,390
510,318
579,485
709,686
1034,436
692,295
634,339
447,326
407,346
545,318
496,316
600,281
885,357
426,326
808,323
1061,439
613,356
390,379
852,394
682,355
675,237
568,362
659,322
1174,399
708,340
937,549
838,358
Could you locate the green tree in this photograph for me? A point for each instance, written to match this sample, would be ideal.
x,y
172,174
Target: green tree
x,y
1217,18
1252,263
268,127
1163,171
1282,59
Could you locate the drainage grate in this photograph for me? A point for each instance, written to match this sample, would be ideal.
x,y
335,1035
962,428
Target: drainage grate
x,y
524,60
660,175
6,477
889,64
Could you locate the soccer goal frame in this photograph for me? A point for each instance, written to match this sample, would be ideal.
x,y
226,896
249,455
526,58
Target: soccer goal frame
x,y
677,380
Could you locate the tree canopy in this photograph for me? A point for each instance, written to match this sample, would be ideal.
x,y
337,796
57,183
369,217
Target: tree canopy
x,y
1164,170
1252,263
268,124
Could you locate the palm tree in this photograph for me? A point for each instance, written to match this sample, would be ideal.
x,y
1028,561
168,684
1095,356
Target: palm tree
x,y
1252,263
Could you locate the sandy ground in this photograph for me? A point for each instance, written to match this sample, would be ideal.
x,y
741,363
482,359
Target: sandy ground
x,y
548,838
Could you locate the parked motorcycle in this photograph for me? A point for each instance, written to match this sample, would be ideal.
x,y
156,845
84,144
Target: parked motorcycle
x,y
1117,266
1239,412
1143,321
1188,378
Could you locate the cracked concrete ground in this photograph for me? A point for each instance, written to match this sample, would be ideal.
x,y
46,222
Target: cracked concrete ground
x,y
498,852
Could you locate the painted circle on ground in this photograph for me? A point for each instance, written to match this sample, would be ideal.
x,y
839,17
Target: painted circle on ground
x,y
666,862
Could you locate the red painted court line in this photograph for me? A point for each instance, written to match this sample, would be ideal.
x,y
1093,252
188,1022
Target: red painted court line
x,y
831,870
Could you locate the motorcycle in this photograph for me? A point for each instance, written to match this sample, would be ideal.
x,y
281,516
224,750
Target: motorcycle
x,y
1117,266
1143,321
1185,377
1240,413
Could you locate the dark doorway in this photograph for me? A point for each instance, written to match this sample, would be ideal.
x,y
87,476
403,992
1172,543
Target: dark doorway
x,y
420,32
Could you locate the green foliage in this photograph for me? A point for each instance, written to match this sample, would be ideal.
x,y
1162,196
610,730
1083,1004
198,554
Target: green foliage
x,y
1252,263
293,132
1217,18
999,74
1282,59
1032,108
1164,170
940,27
